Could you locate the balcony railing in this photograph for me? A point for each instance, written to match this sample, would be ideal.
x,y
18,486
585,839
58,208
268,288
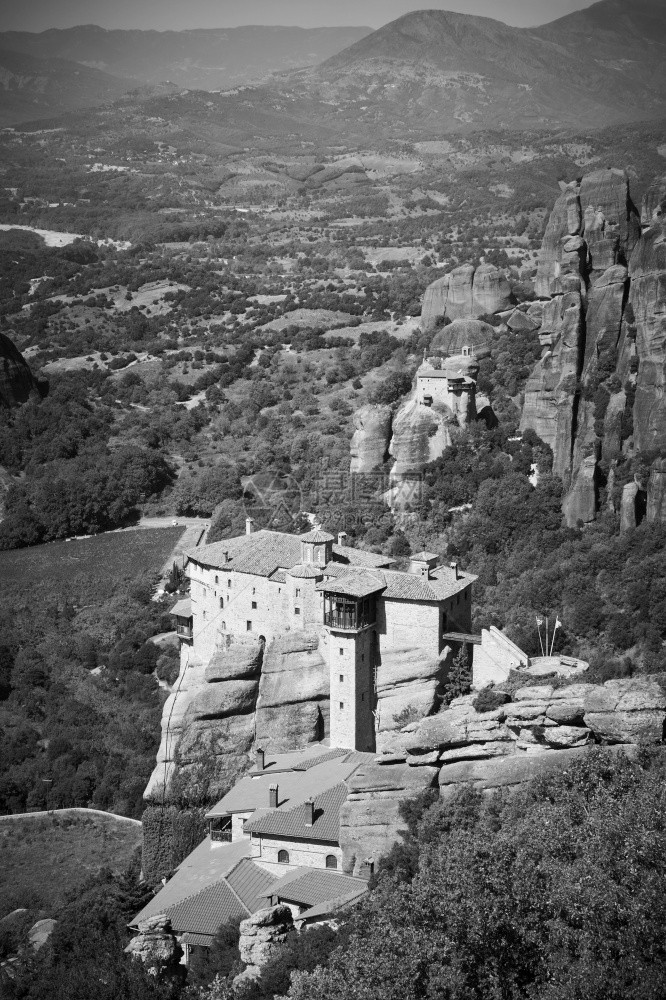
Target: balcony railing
x,y
347,622
184,630
221,835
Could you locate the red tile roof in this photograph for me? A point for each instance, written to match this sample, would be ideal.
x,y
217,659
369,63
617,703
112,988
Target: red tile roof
x,y
292,822
314,886
206,911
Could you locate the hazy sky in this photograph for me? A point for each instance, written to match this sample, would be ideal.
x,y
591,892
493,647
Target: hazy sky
x,y
36,15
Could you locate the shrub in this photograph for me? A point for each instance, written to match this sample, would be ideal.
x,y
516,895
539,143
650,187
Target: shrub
x,y
489,699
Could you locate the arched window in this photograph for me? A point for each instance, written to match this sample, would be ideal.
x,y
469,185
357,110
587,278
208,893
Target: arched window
x,y
331,861
283,857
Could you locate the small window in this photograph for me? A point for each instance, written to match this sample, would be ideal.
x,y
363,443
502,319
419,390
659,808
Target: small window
x,y
229,583
363,697
342,677
221,602
283,857
342,652
224,626
362,657
254,590
297,611
331,861
204,616
248,626
254,605
342,704
298,592
217,579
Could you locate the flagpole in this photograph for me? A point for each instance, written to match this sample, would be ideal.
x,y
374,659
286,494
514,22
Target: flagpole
x,y
539,623
546,635
557,625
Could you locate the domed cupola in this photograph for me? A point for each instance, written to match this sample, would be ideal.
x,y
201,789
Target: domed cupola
x,y
316,547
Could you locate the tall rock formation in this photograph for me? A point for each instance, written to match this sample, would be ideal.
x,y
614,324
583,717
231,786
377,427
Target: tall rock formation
x,y
461,334
603,333
370,440
647,270
17,383
465,293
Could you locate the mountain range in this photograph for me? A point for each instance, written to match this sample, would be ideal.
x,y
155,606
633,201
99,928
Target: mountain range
x,y
39,71
423,75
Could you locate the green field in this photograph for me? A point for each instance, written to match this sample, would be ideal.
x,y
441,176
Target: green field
x,y
44,859
98,560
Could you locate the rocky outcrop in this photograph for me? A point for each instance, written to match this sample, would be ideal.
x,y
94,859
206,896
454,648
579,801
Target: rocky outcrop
x,y
656,494
208,720
262,937
580,505
293,702
370,440
464,293
17,383
540,728
647,270
156,945
550,392
370,821
420,435
654,202
460,334
407,680
633,505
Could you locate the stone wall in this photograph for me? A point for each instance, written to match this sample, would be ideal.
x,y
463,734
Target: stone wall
x,y
302,854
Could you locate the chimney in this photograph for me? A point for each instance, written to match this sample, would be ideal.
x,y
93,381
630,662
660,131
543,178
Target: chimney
x,y
309,812
273,796
249,525
342,538
454,567
259,758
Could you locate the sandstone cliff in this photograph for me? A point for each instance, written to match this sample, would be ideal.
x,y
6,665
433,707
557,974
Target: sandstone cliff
x,y
541,728
603,334
370,440
17,383
464,293
217,711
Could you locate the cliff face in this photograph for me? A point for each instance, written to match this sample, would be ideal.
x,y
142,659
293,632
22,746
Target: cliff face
x,y
465,293
277,697
370,441
17,383
603,333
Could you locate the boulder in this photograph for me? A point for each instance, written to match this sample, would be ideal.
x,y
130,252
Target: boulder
x,y
566,713
156,945
420,435
560,737
370,440
464,293
262,937
460,300
17,383
628,710
627,727
520,322
370,821
40,932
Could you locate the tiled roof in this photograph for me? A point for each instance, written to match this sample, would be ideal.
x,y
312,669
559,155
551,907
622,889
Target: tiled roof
x,y
292,822
358,557
250,882
314,886
294,787
329,907
306,571
265,552
441,584
207,910
206,865
317,536
424,556
260,553
355,583
202,940
183,608
307,762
